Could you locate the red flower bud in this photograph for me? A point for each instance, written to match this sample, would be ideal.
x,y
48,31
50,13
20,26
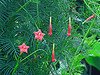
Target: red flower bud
x,y
69,27
89,18
50,28
53,55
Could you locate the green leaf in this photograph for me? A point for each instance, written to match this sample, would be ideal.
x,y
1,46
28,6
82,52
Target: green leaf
x,y
95,51
94,46
94,61
64,72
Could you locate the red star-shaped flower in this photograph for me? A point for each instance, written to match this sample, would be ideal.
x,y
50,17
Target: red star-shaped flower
x,y
39,35
23,48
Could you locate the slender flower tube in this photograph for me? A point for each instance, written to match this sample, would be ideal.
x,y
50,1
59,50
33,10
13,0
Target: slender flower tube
x,y
50,28
89,18
53,54
69,27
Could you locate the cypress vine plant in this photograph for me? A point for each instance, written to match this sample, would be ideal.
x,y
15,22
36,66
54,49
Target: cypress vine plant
x,y
64,40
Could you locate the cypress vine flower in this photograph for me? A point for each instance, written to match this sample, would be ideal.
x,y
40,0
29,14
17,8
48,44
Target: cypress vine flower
x,y
39,35
53,54
50,28
23,48
69,27
89,18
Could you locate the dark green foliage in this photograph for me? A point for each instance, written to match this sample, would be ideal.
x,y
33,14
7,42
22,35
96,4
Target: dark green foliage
x,y
20,18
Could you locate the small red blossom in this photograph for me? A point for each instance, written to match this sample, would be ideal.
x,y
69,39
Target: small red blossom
x,y
69,27
23,48
89,18
39,35
50,28
53,55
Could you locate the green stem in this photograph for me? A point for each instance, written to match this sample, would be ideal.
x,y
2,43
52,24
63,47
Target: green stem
x,y
36,48
19,61
84,38
31,18
32,54
23,6
38,15
78,49
16,66
37,44
90,70
89,7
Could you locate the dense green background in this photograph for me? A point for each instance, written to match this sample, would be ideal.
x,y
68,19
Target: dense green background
x,y
20,18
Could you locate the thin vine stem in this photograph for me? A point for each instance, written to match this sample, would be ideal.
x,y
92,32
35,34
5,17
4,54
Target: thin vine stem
x,y
19,61
78,49
84,38
37,13
23,6
32,54
16,66
90,70
89,6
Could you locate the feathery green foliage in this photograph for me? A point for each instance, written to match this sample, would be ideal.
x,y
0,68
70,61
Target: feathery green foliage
x,y
20,18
